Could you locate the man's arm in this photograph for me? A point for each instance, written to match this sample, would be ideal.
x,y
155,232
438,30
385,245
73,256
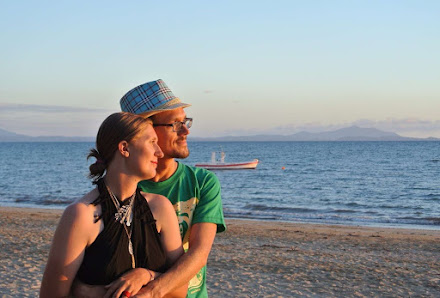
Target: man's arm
x,y
200,243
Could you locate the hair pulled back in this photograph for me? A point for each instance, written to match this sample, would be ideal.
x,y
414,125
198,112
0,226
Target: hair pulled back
x,y
117,127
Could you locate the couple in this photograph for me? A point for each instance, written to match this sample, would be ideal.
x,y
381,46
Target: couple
x,y
124,235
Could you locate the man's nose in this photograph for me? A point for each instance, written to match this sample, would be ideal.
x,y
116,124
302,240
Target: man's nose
x,y
184,130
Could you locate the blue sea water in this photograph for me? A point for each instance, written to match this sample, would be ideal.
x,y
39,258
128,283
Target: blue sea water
x,y
389,184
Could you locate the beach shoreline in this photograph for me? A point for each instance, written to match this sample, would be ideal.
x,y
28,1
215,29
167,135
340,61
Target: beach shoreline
x,y
404,226
261,258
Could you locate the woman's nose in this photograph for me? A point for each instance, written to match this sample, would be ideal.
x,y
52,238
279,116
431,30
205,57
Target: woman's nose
x,y
158,152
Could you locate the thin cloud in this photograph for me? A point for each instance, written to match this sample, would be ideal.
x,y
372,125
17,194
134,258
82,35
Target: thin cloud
x,y
21,108
51,120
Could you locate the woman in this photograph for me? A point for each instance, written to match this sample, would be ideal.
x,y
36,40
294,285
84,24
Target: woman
x,y
116,236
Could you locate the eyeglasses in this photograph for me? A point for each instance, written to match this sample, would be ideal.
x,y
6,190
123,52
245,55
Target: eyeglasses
x,y
177,126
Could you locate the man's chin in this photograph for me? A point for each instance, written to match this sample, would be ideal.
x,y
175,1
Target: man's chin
x,y
181,154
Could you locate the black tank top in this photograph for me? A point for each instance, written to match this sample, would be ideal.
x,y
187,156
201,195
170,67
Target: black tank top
x,y
107,258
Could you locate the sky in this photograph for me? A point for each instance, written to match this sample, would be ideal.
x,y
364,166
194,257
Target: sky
x,y
247,67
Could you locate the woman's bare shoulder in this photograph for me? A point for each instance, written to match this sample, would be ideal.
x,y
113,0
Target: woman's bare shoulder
x,y
83,208
160,206
153,198
81,218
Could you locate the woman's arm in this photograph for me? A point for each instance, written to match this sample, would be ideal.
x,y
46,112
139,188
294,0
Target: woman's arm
x,y
67,251
168,227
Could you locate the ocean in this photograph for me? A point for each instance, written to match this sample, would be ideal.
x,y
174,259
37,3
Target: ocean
x,y
387,184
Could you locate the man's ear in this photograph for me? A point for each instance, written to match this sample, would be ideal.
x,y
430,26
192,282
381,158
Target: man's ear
x,y
123,148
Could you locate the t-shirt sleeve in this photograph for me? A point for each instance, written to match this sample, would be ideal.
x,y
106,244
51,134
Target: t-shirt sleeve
x,y
209,207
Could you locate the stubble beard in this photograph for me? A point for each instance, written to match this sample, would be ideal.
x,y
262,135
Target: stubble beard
x,y
181,153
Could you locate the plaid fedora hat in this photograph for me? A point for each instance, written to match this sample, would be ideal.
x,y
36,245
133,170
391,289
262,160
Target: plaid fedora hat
x,y
150,98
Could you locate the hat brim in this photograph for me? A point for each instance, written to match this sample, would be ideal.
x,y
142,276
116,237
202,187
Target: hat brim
x,y
160,110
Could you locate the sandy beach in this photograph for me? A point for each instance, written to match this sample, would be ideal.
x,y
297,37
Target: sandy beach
x,y
261,259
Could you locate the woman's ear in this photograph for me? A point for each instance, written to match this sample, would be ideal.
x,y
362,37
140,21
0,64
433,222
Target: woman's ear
x,y
123,148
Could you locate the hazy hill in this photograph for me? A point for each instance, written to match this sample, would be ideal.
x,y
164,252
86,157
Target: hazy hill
x,y
7,136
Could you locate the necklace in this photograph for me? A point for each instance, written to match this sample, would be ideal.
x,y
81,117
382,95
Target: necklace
x,y
124,215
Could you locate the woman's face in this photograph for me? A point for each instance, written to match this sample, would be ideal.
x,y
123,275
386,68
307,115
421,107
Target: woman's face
x,y
144,153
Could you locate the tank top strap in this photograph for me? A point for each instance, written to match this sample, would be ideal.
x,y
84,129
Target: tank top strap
x,y
142,210
107,208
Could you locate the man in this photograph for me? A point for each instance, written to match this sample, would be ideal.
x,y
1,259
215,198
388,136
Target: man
x,y
194,192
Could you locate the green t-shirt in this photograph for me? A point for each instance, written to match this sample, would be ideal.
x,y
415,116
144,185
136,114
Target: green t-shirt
x,y
195,195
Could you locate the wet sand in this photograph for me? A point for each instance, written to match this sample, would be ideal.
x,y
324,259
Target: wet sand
x,y
261,259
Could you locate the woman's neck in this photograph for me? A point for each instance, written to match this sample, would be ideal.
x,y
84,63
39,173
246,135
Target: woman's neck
x,y
121,185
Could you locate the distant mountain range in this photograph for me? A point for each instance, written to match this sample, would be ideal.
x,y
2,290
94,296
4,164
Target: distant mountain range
x,y
7,136
353,133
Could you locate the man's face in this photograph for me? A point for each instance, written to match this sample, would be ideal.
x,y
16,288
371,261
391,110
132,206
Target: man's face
x,y
173,144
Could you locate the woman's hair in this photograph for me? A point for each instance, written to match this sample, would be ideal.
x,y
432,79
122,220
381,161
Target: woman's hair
x,y
117,127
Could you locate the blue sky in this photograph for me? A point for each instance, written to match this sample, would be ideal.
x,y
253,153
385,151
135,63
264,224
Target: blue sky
x,y
246,66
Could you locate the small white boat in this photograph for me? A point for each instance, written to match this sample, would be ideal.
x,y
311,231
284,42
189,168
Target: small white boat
x,y
222,165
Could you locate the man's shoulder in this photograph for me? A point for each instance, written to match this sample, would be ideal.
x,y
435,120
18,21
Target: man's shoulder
x,y
188,175
200,173
193,169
